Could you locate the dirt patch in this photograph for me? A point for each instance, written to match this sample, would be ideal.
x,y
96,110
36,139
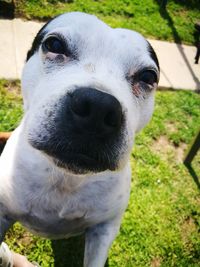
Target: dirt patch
x,y
171,127
164,147
180,152
26,239
156,262
188,227
13,87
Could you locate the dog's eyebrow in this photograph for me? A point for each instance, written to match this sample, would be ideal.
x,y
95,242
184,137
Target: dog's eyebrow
x,y
38,39
153,55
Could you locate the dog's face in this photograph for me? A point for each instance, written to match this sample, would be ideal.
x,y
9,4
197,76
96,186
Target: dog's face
x,y
87,90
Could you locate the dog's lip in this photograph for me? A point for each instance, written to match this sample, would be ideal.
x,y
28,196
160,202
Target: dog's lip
x,y
67,155
81,156
75,157
81,163
78,160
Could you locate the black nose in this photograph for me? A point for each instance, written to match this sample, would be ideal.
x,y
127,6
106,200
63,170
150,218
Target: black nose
x,y
94,111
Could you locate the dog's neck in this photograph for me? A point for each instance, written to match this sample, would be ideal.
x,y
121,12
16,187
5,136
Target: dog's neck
x,y
28,179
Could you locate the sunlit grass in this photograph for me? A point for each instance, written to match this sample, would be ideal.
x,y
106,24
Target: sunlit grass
x,y
176,23
161,226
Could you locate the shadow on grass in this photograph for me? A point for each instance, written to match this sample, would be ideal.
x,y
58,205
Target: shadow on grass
x,y
7,9
165,15
193,174
192,4
69,252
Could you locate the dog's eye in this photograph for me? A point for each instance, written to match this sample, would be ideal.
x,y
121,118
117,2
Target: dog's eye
x,y
148,77
54,45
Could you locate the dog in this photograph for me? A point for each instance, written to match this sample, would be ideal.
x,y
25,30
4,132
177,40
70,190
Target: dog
x,y
87,90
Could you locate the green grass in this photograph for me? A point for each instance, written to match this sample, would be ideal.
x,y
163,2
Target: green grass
x,y
161,226
10,105
176,23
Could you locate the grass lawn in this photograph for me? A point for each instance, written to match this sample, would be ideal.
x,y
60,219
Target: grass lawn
x,y
176,23
161,226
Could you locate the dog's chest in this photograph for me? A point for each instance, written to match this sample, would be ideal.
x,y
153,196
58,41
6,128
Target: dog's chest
x,y
55,213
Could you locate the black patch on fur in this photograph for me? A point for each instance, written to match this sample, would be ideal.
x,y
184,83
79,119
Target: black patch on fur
x,y
153,55
38,39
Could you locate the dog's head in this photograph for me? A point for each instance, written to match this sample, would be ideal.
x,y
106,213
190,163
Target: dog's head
x,y
87,89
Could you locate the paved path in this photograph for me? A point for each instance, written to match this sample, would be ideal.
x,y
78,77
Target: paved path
x,y
178,70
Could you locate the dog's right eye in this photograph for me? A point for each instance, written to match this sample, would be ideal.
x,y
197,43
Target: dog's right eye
x,y
148,77
54,45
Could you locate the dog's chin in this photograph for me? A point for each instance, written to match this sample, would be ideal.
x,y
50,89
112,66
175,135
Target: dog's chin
x,y
82,164
79,161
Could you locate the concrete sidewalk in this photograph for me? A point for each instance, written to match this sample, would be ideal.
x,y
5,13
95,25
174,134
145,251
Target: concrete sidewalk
x,y
178,70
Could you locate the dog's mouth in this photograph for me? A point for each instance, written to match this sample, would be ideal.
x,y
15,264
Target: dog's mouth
x,y
79,159
80,163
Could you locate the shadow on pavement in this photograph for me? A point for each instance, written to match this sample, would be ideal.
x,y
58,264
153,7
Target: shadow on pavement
x,y
177,39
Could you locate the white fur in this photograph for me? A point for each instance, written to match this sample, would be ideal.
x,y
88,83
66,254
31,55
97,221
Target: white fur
x,y
31,184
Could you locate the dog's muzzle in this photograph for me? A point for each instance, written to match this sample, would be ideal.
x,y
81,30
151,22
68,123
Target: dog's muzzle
x,y
86,133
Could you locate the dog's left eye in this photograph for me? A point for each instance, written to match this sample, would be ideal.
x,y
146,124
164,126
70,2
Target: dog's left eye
x,y
54,45
148,77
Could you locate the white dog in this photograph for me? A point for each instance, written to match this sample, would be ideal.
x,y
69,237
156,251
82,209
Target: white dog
x,y
87,90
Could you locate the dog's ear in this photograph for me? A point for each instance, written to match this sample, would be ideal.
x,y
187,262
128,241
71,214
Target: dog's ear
x,y
36,43
38,39
153,55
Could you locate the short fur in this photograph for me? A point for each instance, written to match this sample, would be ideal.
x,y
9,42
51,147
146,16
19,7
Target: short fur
x,y
55,199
